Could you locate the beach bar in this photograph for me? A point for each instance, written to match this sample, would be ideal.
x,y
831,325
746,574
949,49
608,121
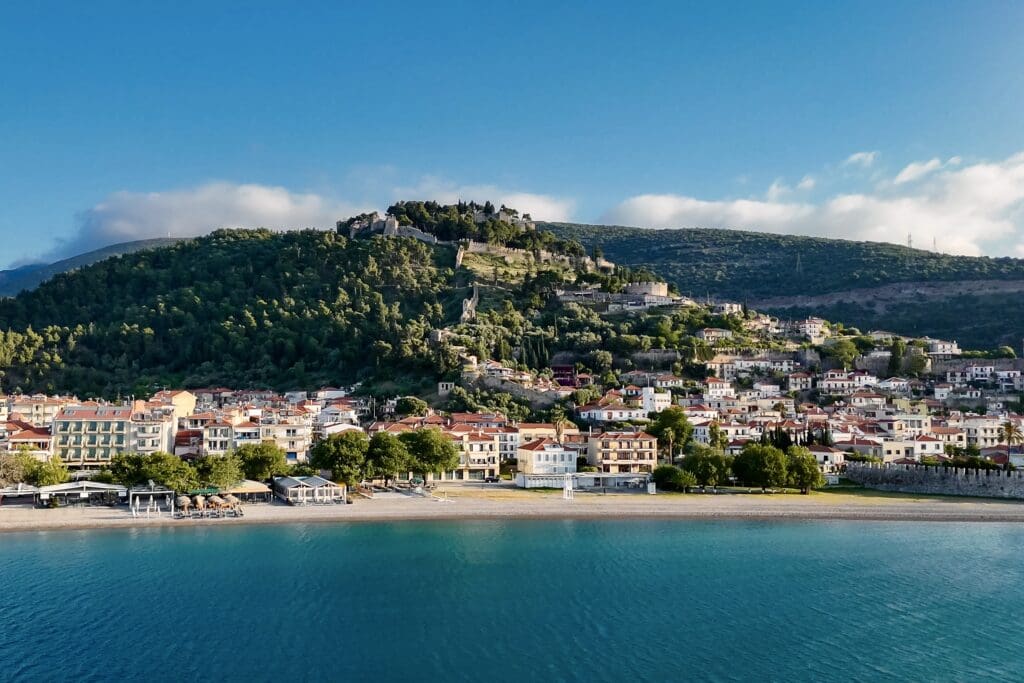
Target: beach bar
x,y
587,481
249,491
83,493
311,490
19,494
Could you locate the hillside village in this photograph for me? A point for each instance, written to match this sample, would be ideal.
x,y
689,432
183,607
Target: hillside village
x,y
564,365
970,409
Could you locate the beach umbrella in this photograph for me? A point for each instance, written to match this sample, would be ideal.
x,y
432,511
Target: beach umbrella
x,y
217,501
231,500
200,502
184,502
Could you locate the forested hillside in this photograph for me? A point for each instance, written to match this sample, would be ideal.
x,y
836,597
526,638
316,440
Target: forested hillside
x,y
255,308
248,307
788,275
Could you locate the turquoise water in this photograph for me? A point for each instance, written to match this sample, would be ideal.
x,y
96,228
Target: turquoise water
x,y
543,600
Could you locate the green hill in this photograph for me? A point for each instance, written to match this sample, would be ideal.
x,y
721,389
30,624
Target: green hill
x,y
256,308
975,300
245,307
31,276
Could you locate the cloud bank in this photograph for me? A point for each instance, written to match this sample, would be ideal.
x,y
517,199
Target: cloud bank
x,y
127,216
964,209
972,208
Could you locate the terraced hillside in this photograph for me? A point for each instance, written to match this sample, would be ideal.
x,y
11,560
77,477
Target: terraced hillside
x,y
975,300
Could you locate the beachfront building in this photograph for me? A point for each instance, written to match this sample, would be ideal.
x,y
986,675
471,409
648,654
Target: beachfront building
x,y
309,490
218,437
153,430
292,431
90,436
479,455
545,456
615,452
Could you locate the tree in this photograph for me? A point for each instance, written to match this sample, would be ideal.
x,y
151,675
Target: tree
x,y
430,451
918,363
843,351
386,456
600,360
802,469
169,470
17,468
760,465
709,467
220,471
672,478
896,352
50,472
560,420
126,469
716,437
262,461
1010,434
671,428
343,454
410,405
300,469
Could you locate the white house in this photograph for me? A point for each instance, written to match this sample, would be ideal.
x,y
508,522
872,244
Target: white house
x,y
545,456
718,388
654,401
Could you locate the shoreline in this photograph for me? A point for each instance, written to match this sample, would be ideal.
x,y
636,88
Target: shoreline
x,y
508,505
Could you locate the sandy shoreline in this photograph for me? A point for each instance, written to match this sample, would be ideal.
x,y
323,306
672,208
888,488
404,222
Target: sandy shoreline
x,y
470,504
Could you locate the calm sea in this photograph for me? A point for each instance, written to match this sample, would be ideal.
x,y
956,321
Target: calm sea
x,y
524,600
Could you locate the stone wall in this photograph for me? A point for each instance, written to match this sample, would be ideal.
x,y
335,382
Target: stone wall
x,y
541,255
538,399
941,367
951,481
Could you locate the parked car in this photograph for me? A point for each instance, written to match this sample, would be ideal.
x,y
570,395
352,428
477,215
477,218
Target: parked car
x,y
492,480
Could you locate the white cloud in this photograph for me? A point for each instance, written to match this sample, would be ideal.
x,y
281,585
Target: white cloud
x,y
541,207
865,159
965,210
919,169
126,216
777,190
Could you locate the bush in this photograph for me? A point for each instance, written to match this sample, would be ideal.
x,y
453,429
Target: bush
x,y
672,478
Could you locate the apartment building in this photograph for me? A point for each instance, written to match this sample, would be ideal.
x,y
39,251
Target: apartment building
x,y
153,431
38,410
614,452
90,436
479,455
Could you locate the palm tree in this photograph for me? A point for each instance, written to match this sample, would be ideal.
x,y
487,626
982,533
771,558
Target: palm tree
x,y
1011,434
560,421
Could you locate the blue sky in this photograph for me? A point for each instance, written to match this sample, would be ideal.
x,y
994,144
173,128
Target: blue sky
x,y
126,120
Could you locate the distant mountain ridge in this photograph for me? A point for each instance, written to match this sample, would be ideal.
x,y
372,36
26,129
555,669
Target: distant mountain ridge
x,y
868,284
31,276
